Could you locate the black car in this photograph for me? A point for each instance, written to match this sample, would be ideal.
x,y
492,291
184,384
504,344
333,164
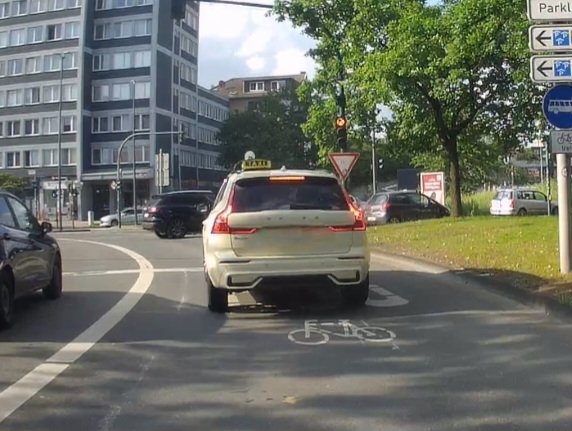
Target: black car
x,y
30,260
396,207
174,214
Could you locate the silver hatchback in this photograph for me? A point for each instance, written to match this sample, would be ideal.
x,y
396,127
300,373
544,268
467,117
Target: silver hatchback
x,y
521,202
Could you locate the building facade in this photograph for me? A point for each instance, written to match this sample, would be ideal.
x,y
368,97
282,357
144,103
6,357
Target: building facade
x,y
122,66
245,93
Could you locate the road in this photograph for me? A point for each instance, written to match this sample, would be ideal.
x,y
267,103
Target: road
x,y
131,346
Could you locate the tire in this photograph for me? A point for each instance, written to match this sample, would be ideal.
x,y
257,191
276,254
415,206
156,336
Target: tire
x,y
218,298
356,295
6,302
315,338
54,290
161,235
521,212
114,223
177,229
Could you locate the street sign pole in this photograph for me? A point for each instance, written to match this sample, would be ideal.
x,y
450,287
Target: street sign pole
x,y
563,169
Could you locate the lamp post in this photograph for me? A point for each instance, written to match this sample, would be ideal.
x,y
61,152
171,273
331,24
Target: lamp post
x,y
59,201
134,164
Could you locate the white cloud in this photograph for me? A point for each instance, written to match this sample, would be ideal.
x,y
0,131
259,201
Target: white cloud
x,y
256,63
242,41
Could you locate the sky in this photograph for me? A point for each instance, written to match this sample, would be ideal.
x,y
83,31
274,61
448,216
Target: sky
x,y
238,41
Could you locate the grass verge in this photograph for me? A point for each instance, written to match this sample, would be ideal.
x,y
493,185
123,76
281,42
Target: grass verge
x,y
521,250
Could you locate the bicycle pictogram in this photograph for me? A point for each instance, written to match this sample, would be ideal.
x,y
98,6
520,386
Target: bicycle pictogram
x,y
315,333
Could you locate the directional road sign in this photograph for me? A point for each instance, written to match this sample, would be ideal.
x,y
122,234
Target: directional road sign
x,y
551,68
550,38
557,106
561,141
343,163
549,10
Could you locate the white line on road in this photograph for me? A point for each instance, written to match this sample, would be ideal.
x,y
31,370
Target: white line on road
x,y
390,298
131,271
14,396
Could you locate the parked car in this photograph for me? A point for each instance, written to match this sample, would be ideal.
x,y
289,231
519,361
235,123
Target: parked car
x,y
174,214
30,259
521,202
401,206
127,217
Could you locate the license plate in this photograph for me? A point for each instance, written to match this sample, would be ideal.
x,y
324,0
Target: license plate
x,y
371,219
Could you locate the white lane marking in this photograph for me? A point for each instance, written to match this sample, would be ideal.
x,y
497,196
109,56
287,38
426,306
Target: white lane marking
x,y
14,396
316,333
391,299
131,271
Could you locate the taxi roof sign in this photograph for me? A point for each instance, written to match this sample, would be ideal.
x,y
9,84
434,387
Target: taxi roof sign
x,y
254,164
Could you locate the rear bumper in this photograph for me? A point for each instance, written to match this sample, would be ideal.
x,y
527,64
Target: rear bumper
x,y
234,273
503,212
153,223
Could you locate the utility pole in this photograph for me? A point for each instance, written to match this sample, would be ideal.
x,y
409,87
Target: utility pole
x,y
563,169
60,125
373,165
134,151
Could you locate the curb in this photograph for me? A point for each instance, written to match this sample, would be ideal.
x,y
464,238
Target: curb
x,y
70,230
550,305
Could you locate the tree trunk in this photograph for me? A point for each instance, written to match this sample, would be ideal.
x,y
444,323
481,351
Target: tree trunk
x,y
455,176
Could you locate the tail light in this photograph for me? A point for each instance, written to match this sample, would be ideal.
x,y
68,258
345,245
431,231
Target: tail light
x,y
221,226
385,206
512,204
152,210
359,223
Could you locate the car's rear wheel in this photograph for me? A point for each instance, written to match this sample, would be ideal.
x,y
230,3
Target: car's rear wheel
x,y
356,295
521,212
160,234
54,289
177,229
114,223
218,298
6,302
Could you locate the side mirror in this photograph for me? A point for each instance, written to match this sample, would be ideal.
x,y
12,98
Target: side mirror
x,y
46,227
203,209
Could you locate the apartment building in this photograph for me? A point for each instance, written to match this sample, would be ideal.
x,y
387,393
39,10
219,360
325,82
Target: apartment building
x,y
111,67
245,93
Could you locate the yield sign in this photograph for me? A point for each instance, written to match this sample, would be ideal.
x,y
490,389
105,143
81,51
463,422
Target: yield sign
x,y
343,163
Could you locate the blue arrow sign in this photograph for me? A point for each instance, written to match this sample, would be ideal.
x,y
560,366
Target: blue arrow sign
x,y
557,106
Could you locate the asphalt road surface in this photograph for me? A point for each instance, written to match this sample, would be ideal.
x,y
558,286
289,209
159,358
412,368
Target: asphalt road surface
x,y
131,346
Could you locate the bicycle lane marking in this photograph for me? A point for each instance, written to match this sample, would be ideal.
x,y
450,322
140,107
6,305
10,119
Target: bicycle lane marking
x,y
16,395
390,298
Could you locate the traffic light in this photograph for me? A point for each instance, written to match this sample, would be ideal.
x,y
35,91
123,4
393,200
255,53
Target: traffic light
x,y
181,136
178,8
342,132
380,163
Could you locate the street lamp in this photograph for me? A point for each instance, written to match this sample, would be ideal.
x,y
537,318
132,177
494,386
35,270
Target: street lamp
x,y
59,201
134,164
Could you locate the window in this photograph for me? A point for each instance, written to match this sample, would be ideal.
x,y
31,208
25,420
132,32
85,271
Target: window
x,y
256,86
15,67
68,156
52,63
100,93
72,30
100,125
275,86
54,32
68,124
2,68
56,4
1,134
70,61
74,3
193,75
122,60
35,34
120,123
13,128
142,27
141,154
38,6
32,96
51,93
20,7
32,127
13,159
141,122
142,90
31,158
17,37
33,65
122,91
142,59
101,62
50,157
14,97
101,31
4,10
6,217
69,92
3,39
101,4
50,126
122,29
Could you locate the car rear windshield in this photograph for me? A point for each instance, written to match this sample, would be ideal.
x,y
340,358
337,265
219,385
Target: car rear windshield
x,y
311,193
378,199
503,194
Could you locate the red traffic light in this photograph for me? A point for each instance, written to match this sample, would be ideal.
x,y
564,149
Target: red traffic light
x,y
341,122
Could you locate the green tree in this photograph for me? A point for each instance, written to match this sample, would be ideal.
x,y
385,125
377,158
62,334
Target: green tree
x,y
12,184
273,131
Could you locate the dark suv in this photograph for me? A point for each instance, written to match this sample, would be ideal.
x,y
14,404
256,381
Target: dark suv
x,y
395,207
174,214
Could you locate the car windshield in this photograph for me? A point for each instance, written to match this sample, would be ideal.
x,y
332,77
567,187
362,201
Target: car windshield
x,y
264,194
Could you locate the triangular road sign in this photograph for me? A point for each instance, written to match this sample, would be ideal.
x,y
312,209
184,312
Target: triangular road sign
x,y
343,163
